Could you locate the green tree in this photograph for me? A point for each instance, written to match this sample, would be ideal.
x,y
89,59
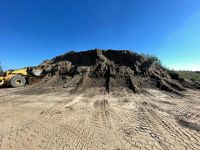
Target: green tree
x,y
1,69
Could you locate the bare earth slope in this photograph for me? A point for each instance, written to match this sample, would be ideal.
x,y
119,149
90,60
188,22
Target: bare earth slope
x,y
92,120
101,100
112,70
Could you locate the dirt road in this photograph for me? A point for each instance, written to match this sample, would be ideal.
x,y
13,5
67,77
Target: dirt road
x,y
115,121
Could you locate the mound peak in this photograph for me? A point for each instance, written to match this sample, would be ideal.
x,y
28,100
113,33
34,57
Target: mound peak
x,y
111,69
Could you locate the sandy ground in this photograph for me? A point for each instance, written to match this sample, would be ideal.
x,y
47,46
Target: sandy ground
x,y
115,121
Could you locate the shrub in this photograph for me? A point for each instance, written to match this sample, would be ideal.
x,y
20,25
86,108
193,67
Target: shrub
x,y
71,52
152,58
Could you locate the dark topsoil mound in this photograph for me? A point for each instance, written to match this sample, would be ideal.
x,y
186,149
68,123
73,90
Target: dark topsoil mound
x,y
112,69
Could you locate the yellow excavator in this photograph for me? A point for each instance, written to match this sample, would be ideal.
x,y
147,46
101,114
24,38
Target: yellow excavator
x,y
18,78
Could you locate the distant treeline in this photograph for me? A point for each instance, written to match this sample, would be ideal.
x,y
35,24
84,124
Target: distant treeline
x,y
192,75
1,69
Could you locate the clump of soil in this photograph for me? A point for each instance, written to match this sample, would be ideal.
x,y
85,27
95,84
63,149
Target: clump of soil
x,y
111,69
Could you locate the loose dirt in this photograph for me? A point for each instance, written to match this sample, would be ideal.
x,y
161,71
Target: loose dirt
x,y
118,120
101,100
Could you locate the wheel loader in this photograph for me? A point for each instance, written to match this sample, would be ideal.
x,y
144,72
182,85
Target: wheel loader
x,y
18,78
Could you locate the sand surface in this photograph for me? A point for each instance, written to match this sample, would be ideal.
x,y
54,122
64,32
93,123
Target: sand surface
x,y
115,121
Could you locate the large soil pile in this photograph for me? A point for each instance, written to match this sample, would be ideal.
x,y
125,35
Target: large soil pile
x,y
112,69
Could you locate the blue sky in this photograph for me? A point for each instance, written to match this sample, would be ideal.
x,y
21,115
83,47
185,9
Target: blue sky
x,y
35,30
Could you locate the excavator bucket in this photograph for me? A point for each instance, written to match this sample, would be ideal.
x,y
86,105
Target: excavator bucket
x,y
37,72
